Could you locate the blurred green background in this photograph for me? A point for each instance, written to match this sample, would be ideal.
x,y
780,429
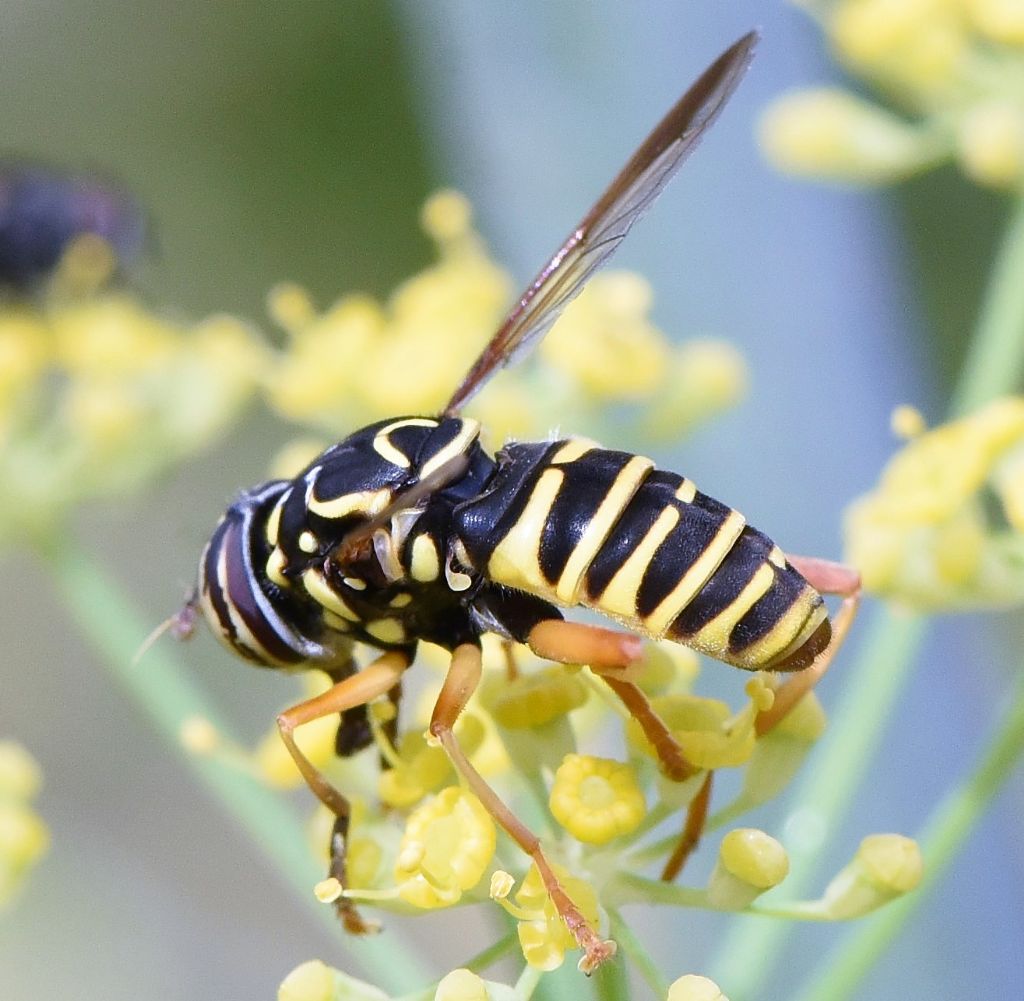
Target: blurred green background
x,y
276,141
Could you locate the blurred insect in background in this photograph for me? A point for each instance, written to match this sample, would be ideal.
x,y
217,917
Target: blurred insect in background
x,y
43,211
408,530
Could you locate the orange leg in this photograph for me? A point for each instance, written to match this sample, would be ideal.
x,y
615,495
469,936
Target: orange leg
x,y
696,818
826,578
379,678
607,653
459,684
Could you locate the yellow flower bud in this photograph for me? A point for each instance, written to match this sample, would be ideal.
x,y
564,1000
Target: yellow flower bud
x,y
198,735
749,863
596,799
695,988
20,775
446,216
829,133
316,981
24,352
990,143
709,735
534,699
290,307
312,981
1000,20
448,843
461,985
24,838
907,422
886,866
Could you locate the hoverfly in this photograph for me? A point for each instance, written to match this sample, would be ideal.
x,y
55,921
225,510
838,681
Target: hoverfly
x,y
408,530
43,209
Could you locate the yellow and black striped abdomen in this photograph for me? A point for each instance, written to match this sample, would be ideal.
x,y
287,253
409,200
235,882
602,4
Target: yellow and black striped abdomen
x,y
577,524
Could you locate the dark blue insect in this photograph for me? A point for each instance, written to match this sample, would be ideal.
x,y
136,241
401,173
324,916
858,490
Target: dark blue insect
x,y
42,209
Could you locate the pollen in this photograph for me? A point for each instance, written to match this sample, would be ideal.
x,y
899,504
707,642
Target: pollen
x,y
596,799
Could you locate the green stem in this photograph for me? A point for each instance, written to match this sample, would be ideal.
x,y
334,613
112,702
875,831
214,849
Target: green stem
x,y
949,826
993,367
161,687
527,983
638,955
995,362
823,797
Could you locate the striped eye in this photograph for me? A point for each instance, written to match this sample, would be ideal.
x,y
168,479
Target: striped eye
x,y
241,606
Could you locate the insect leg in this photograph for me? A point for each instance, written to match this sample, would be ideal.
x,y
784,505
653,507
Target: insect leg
x,y
826,578
607,652
459,684
377,679
693,829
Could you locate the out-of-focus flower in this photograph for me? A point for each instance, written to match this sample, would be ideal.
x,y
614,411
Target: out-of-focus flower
x,y
24,837
337,368
448,843
98,394
886,866
533,698
944,528
953,68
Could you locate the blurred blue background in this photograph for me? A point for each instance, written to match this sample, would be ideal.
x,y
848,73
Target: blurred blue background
x,y
296,141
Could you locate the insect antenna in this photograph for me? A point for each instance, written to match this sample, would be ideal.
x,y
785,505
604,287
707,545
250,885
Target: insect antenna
x,y
181,625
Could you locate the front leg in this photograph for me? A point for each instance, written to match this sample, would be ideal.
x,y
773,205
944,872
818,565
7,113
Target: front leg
x,y
379,678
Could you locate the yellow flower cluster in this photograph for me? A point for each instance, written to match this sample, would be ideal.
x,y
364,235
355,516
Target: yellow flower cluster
x,y
944,527
24,838
98,394
361,359
954,68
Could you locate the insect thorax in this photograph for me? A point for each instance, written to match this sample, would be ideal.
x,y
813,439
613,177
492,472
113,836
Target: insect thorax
x,y
280,583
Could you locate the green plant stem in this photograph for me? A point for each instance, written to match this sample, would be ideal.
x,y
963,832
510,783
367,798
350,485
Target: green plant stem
x,y
161,687
993,366
637,954
944,834
995,362
824,796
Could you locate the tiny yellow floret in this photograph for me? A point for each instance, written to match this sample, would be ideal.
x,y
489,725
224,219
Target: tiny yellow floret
x,y
448,843
543,935
990,143
20,774
198,735
533,699
695,988
461,985
328,890
312,981
907,422
596,799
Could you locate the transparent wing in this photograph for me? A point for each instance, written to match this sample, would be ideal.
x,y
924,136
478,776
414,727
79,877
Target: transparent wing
x,y
605,226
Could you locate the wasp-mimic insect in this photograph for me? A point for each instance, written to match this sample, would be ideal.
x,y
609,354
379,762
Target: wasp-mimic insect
x,y
408,530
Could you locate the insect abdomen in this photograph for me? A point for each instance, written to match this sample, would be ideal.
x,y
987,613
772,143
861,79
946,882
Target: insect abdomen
x,y
577,524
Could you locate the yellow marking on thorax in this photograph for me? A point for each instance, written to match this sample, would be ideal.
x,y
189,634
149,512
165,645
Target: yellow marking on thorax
x,y
356,583
400,600
365,502
621,492
713,636
386,630
322,593
467,434
336,622
516,559
687,491
382,440
619,597
307,542
697,576
573,449
425,563
276,563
